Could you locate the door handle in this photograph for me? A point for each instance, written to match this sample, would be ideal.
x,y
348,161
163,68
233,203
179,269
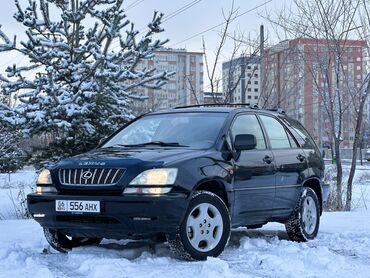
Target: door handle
x,y
301,158
267,159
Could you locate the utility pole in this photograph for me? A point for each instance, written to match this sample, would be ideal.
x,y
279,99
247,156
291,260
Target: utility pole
x,y
262,64
242,80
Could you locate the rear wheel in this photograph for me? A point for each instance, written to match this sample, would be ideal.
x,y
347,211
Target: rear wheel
x,y
205,229
63,243
304,222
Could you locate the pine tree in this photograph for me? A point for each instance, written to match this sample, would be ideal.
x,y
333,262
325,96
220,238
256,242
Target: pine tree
x,y
82,73
11,155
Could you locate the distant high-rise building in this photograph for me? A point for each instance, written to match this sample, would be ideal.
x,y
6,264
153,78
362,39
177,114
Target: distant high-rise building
x,y
297,75
241,79
213,98
184,88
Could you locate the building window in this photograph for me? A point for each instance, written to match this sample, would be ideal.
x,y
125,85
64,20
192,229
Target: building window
x,y
249,89
249,67
256,89
249,97
256,82
255,75
255,97
249,82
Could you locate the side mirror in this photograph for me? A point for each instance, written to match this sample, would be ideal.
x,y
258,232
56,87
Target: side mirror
x,y
245,142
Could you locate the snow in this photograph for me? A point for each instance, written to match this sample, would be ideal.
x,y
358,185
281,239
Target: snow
x,y
11,188
341,249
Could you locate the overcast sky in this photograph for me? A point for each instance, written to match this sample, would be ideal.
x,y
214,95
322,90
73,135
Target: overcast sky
x,y
200,17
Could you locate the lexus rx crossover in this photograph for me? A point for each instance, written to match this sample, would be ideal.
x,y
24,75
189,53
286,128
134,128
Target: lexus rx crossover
x,y
186,175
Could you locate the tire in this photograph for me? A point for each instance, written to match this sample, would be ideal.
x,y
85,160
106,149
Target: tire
x,y
205,229
63,243
304,222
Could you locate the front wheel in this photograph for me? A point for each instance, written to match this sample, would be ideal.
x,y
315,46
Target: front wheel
x,y
205,229
304,222
63,243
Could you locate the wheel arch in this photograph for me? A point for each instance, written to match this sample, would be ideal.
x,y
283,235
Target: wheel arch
x,y
315,184
215,186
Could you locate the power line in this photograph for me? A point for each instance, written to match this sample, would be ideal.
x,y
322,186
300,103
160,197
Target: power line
x,y
134,4
176,13
170,15
220,24
180,10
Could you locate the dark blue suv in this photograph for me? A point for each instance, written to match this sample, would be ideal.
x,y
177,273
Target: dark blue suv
x,y
187,175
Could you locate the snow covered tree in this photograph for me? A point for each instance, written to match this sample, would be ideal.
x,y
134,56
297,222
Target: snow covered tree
x,y
82,73
11,155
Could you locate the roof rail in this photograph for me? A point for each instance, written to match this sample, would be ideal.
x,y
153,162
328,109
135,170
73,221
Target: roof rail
x,y
252,106
279,110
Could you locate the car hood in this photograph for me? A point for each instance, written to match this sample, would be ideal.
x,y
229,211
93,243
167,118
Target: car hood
x,y
146,157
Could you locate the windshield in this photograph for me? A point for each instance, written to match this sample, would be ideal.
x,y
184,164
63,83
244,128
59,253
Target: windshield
x,y
194,130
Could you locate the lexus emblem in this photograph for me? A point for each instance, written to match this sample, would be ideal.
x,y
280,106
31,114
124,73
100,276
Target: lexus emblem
x,y
86,175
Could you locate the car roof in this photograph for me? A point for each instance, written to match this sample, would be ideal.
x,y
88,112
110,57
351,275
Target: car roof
x,y
222,108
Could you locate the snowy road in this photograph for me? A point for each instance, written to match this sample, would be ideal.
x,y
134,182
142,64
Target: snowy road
x,y
342,249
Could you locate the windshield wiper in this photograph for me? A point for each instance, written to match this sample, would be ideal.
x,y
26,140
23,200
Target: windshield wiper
x,y
156,143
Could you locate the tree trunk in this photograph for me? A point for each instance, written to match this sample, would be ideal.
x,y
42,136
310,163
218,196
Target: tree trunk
x,y
356,143
351,175
354,159
338,163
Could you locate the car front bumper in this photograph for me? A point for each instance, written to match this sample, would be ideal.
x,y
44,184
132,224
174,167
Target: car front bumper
x,y
120,216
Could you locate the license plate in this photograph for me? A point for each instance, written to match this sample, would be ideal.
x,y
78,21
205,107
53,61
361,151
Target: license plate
x,y
77,206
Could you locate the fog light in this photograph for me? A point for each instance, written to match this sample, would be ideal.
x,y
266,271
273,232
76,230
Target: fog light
x,y
38,215
147,190
46,189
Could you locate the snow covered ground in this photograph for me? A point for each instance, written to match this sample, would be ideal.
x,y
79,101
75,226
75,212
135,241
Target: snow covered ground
x,y
13,190
342,248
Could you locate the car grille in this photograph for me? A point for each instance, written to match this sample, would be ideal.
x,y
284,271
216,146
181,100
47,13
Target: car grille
x,y
90,176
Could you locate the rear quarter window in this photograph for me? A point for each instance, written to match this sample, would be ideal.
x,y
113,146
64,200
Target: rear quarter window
x,y
300,133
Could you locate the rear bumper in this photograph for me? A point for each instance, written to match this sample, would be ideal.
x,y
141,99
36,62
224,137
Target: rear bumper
x,y
120,216
325,193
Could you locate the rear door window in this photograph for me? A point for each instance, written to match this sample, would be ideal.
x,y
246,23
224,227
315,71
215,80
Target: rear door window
x,y
276,133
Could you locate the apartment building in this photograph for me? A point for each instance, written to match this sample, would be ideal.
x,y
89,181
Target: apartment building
x,y
212,98
301,76
184,88
241,79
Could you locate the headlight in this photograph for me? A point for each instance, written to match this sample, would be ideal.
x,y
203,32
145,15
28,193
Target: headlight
x,y
163,176
44,177
158,179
